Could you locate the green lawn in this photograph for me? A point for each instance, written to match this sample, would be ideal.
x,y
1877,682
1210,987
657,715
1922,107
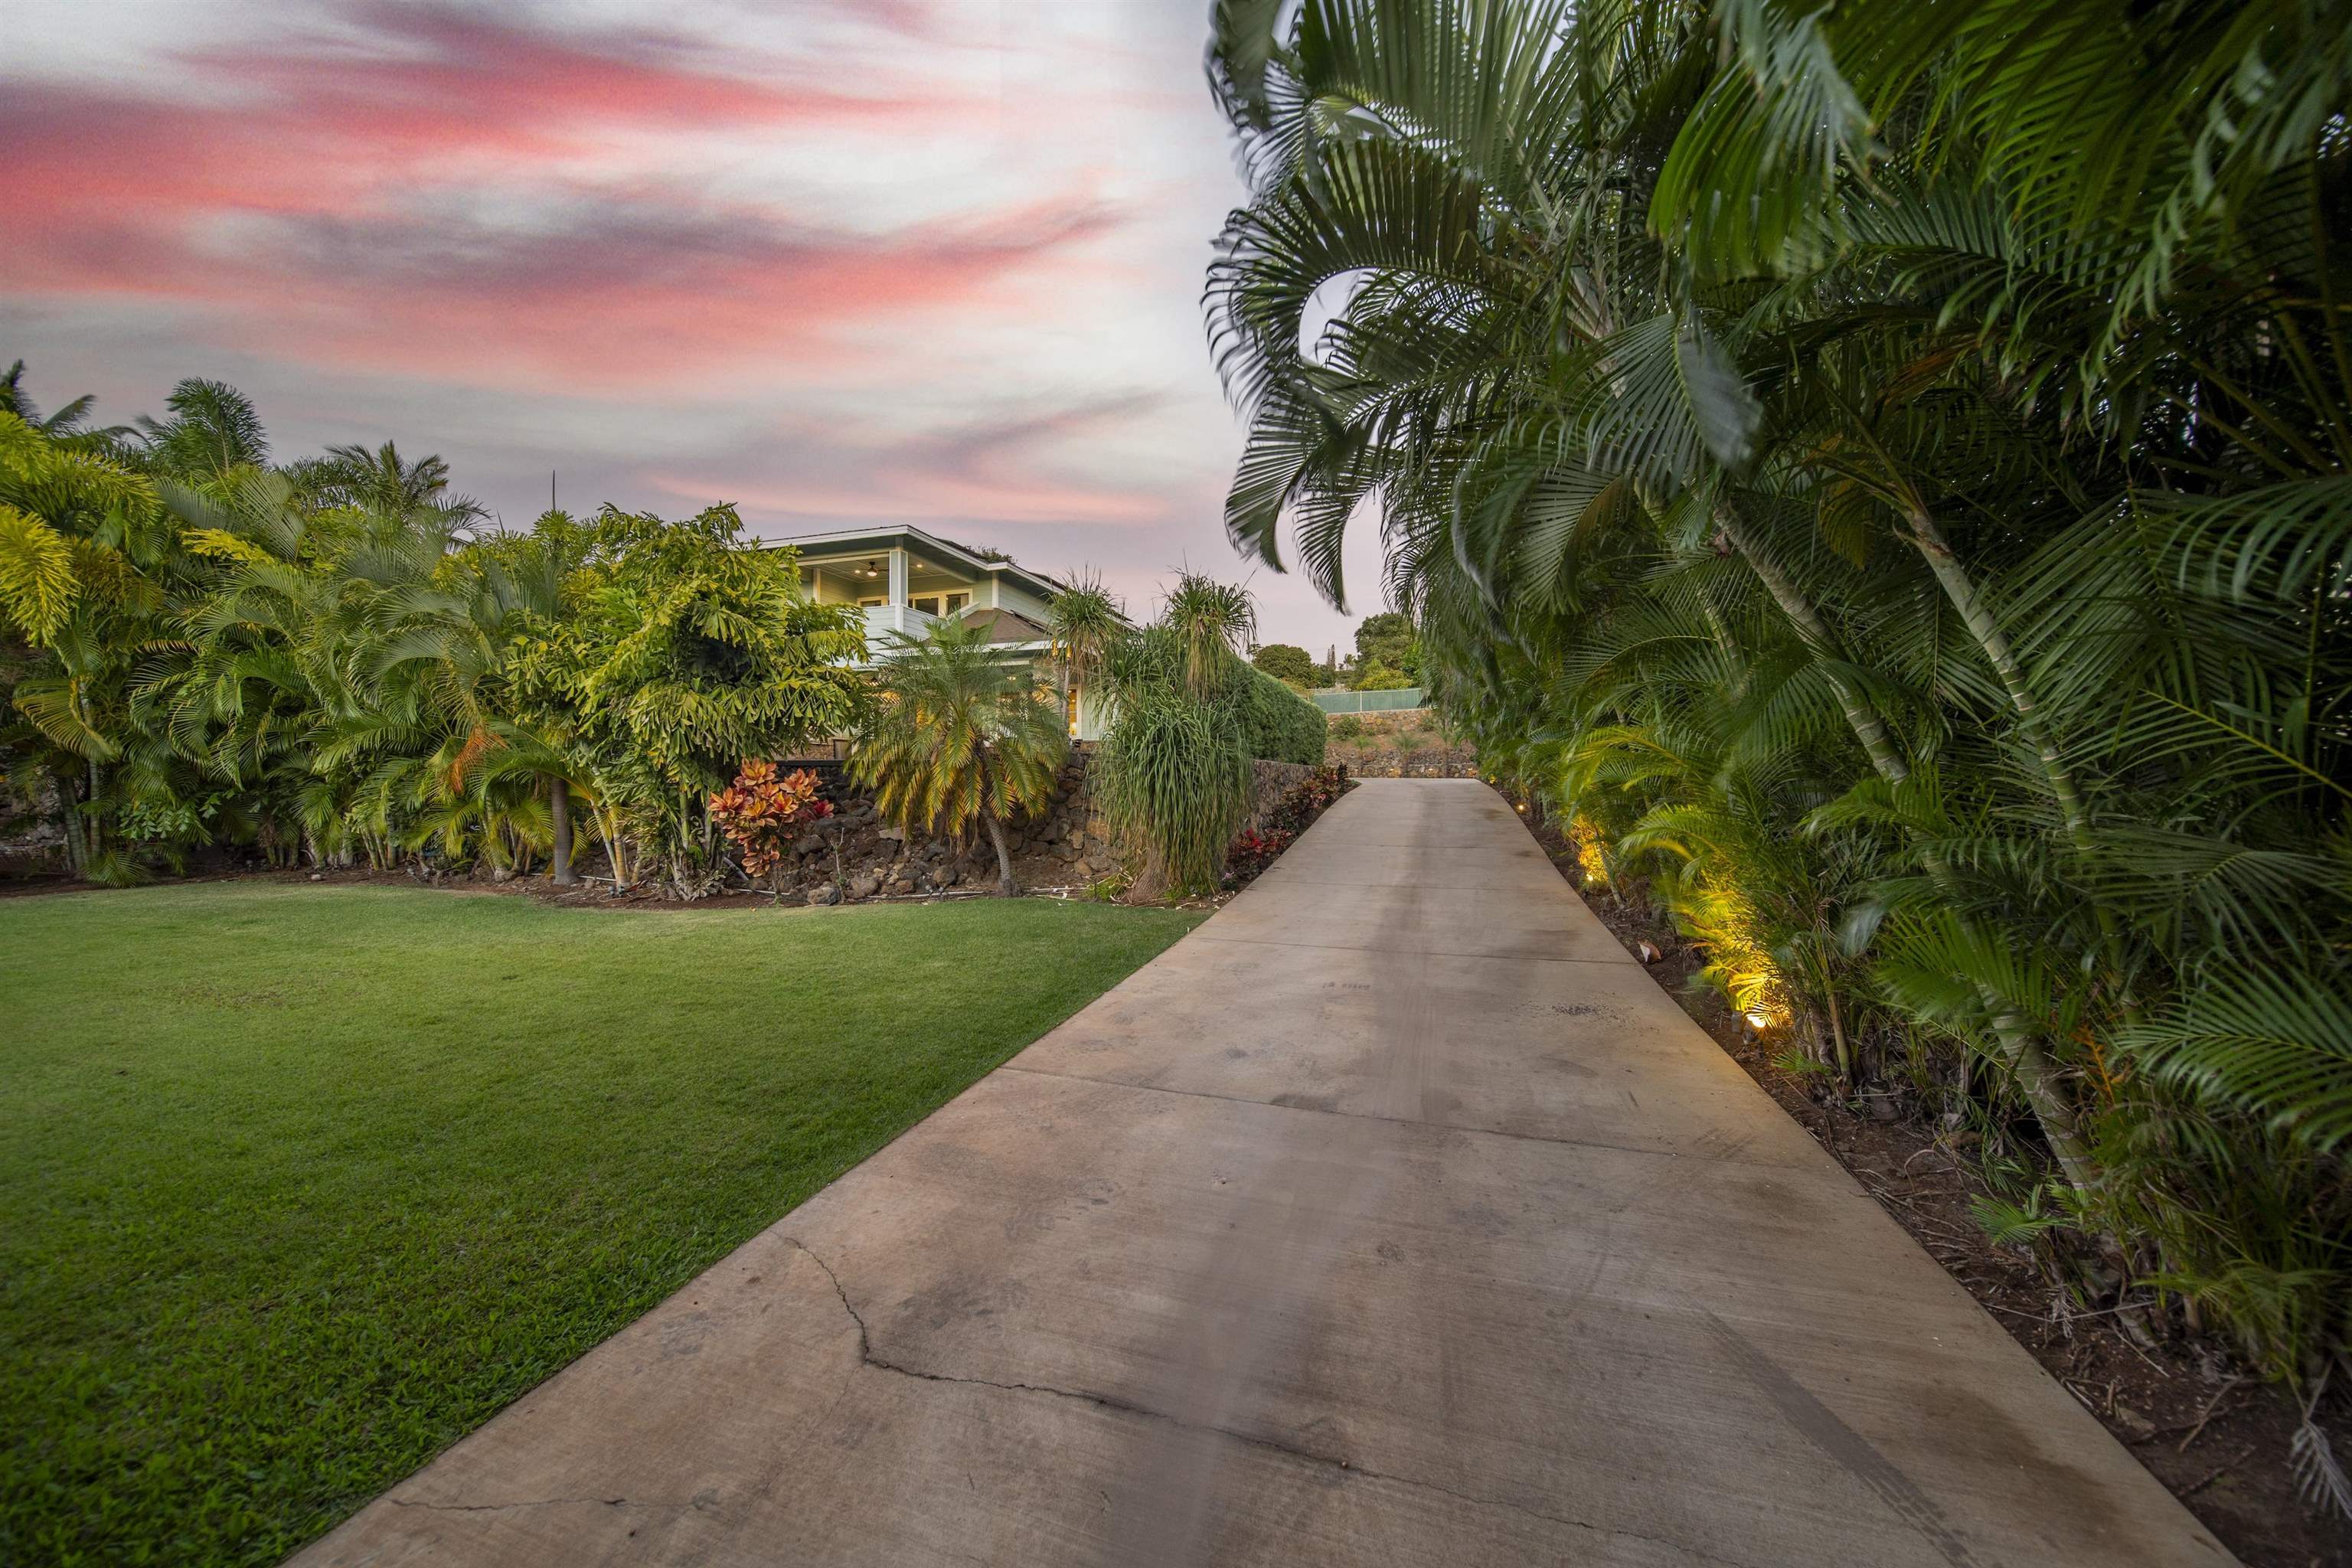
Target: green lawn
x,y
298,1185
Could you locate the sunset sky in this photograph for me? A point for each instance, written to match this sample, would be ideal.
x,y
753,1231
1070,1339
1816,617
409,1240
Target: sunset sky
x,y
835,260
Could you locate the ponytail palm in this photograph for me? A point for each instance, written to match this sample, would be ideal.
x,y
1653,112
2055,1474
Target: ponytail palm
x,y
962,737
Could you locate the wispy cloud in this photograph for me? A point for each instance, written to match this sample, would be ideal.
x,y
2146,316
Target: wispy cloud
x,y
832,259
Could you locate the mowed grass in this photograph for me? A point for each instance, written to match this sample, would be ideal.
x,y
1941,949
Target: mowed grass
x,y
298,1185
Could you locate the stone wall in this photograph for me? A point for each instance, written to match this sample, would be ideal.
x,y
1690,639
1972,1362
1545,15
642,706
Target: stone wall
x,y
1402,744
1433,763
855,855
1386,723
1274,780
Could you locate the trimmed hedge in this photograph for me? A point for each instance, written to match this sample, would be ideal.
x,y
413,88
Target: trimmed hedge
x,y
1276,723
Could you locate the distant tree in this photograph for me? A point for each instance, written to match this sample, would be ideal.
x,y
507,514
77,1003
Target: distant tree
x,y
1374,676
1387,638
1286,661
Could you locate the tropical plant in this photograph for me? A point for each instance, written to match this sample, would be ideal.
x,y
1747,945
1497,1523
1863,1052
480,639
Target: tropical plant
x,y
1286,662
1086,623
1253,852
213,434
962,737
764,813
677,655
382,481
1913,536
1212,621
1174,779
322,661
1304,801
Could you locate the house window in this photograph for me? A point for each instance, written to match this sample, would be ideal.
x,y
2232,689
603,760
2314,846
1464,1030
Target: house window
x,y
927,602
871,604
1072,708
956,604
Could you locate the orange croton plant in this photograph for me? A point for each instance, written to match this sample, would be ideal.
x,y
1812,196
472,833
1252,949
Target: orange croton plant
x,y
762,811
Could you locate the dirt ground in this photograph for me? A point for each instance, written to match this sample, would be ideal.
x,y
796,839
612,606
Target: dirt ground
x,y
2216,1438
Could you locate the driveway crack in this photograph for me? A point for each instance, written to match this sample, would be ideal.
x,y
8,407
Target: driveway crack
x,y
536,1502
867,1353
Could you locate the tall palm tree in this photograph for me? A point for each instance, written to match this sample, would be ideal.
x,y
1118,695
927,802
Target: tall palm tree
x,y
962,737
381,480
213,431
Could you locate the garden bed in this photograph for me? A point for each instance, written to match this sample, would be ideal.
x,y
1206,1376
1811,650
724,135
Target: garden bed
x,y
2218,1439
1279,817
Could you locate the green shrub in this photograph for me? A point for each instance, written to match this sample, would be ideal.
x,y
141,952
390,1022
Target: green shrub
x,y
1347,726
1275,722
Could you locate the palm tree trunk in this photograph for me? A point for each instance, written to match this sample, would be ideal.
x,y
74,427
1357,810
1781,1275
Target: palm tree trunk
x,y
1861,713
1953,578
1004,883
1151,882
2028,1063
77,844
559,811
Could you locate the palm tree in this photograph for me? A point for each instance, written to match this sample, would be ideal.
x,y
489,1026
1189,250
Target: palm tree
x,y
1085,624
1762,408
213,432
962,737
381,480
65,424
80,536
1213,622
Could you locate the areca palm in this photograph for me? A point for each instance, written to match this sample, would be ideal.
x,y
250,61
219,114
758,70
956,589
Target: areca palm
x,y
1754,382
381,480
962,737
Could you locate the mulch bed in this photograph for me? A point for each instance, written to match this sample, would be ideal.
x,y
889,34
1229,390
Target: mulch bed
x,y
2215,1436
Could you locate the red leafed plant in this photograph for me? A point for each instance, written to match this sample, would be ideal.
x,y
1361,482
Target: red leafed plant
x,y
762,811
1253,852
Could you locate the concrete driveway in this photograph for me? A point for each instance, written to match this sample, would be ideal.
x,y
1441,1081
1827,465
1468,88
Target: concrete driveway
x,y
1392,1218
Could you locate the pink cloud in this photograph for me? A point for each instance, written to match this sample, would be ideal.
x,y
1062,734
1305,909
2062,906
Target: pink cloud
x,y
606,301
320,129
998,469
322,216
904,496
